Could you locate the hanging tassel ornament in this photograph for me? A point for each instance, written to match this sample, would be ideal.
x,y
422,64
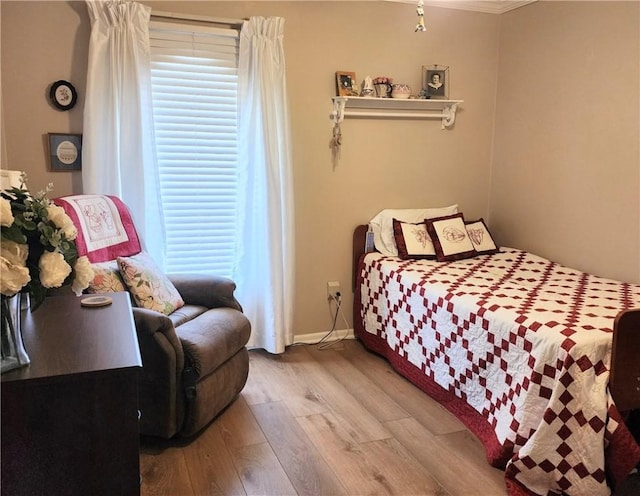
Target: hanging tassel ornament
x,y
420,11
335,143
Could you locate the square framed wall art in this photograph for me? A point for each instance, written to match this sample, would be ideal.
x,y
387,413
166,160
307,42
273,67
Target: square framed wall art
x,y
65,152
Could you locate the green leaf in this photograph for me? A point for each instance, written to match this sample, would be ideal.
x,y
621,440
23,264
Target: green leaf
x,y
13,233
29,225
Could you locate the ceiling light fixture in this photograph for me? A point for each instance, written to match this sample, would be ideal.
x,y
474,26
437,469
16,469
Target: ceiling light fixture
x,y
420,11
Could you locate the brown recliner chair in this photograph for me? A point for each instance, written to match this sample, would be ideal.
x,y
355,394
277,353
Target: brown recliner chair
x,y
194,360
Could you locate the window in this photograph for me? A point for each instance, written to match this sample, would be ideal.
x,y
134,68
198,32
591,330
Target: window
x,y
194,73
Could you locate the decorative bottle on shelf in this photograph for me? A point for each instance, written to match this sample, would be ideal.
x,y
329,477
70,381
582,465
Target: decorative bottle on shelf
x,y
367,87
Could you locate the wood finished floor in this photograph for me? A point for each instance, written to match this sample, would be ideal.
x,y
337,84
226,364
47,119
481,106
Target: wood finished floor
x,y
337,421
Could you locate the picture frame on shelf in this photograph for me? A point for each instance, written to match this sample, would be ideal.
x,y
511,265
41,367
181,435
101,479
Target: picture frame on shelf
x,y
435,81
346,83
65,152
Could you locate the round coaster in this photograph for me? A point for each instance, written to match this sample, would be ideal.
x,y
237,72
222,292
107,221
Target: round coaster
x,y
96,301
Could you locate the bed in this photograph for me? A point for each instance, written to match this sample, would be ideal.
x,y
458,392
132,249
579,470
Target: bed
x,y
528,354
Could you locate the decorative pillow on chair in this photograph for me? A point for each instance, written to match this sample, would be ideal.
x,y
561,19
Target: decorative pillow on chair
x,y
106,278
149,287
481,237
413,240
450,238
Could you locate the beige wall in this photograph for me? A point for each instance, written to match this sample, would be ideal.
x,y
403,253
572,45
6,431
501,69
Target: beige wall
x,y
566,170
41,42
564,177
385,163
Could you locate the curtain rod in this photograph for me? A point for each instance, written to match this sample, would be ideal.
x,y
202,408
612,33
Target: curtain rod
x,y
199,18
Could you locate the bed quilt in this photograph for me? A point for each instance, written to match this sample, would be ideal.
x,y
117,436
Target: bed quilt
x,y
518,347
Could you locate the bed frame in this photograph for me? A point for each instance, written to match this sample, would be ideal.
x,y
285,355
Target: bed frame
x,y
624,381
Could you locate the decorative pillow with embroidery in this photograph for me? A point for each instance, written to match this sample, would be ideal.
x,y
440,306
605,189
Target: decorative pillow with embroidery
x,y
106,278
481,237
413,240
450,238
382,224
149,287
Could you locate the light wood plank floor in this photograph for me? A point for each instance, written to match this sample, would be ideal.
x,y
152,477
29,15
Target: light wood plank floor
x,y
337,421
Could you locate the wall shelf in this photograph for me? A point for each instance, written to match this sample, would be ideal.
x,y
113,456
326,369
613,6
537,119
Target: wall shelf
x,y
395,108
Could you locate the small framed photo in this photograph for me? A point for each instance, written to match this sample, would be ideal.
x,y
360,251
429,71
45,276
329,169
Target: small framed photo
x,y
435,81
65,152
346,83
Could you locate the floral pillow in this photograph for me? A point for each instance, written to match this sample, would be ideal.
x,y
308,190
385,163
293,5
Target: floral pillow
x,y
106,278
413,240
450,238
149,287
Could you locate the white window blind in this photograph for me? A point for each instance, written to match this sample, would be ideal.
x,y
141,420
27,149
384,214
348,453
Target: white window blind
x,y
194,73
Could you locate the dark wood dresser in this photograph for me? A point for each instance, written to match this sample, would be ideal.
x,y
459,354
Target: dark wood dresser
x,y
70,418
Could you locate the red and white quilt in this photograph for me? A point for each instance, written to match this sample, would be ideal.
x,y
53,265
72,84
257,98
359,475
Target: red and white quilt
x,y
518,347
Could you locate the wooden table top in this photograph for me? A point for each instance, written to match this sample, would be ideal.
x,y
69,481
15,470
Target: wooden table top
x,y
64,338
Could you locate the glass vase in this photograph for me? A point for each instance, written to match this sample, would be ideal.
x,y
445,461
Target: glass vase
x,y
14,354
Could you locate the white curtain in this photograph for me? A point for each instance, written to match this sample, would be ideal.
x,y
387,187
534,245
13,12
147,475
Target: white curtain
x,y
263,269
118,152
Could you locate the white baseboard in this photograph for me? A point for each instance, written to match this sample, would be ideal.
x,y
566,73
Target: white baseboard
x,y
317,336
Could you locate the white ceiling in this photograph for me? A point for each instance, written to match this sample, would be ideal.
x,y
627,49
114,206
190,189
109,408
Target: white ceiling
x,y
490,6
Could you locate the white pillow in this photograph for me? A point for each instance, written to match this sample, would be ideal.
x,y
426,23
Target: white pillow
x,y
382,224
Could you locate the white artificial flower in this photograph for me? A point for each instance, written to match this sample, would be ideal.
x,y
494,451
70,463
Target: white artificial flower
x,y
84,275
53,269
13,277
6,216
59,217
15,253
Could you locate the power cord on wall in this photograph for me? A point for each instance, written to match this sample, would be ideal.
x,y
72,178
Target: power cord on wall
x,y
337,298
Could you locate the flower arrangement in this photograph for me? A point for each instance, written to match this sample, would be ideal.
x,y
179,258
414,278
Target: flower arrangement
x,y
382,80
38,251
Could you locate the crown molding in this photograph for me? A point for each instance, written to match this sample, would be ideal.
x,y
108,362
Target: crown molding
x,y
487,6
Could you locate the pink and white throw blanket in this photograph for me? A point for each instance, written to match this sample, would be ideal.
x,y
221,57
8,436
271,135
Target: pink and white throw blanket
x,y
518,347
105,227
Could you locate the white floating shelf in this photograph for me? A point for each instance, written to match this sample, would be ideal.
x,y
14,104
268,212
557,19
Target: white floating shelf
x,y
395,108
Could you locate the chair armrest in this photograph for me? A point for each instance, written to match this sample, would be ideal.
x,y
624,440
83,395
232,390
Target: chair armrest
x,y
159,327
149,321
206,290
160,393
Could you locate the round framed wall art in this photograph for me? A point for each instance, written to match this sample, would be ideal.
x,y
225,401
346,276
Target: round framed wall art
x,y
63,95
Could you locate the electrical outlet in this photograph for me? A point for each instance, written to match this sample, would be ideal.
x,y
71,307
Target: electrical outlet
x,y
333,289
